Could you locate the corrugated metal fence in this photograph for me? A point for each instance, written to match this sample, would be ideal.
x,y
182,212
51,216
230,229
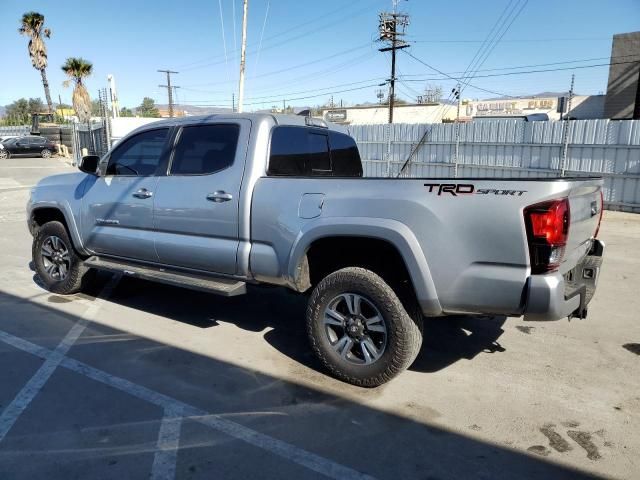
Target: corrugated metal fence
x,y
511,148
14,131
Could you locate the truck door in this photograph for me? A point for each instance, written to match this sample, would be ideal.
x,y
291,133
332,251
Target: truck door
x,y
117,208
197,202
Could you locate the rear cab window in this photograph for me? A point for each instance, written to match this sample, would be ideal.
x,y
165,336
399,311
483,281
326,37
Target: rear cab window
x,y
312,152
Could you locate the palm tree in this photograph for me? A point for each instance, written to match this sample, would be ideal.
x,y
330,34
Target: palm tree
x,y
33,27
77,69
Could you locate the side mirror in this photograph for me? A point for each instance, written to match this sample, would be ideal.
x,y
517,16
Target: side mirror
x,y
89,164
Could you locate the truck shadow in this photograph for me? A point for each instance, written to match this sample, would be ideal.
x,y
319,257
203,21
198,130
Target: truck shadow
x,y
77,424
280,314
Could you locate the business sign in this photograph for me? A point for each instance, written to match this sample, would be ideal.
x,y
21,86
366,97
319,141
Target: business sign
x,y
336,116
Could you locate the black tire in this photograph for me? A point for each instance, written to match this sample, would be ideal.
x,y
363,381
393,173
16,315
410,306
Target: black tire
x,y
45,153
72,281
403,331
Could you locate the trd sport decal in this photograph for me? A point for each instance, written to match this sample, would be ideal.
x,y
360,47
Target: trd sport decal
x,y
456,189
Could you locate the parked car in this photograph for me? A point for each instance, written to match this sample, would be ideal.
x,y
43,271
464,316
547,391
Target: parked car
x,y
28,145
214,203
7,137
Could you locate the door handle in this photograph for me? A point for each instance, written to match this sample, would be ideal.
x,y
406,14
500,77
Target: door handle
x,y
143,193
219,196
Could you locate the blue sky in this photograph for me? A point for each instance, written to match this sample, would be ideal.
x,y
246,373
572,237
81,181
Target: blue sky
x,y
310,48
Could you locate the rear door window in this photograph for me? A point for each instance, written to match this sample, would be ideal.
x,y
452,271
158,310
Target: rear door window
x,y
299,151
312,152
205,149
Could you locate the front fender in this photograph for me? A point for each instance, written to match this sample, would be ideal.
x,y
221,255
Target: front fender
x,y
392,231
65,208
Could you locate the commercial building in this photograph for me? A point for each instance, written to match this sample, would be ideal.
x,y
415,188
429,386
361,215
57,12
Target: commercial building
x,y
582,107
623,88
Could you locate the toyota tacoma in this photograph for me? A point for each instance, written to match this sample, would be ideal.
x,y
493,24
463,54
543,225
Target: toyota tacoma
x,y
218,202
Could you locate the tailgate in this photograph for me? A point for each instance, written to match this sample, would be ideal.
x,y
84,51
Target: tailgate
x,y
585,207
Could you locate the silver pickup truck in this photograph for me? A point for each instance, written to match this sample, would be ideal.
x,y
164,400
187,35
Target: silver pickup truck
x,y
218,202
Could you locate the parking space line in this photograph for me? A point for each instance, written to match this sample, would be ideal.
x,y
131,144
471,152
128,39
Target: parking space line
x,y
164,461
277,447
21,401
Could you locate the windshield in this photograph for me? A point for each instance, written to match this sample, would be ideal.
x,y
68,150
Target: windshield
x,y
9,141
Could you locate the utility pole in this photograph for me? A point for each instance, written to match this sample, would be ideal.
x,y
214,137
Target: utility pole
x,y
565,132
456,91
392,25
233,102
243,49
169,89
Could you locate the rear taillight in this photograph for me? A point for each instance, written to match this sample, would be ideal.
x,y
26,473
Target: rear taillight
x,y
595,235
547,227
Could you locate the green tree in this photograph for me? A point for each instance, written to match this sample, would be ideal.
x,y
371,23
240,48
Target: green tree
x,y
78,69
126,112
148,108
19,112
96,108
32,26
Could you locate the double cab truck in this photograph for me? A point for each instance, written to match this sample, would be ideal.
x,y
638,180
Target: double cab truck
x,y
218,202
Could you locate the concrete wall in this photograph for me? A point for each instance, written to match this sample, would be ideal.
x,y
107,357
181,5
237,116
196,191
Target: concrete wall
x,y
121,126
622,88
378,114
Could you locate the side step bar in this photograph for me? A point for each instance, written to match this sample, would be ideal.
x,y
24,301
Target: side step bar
x,y
221,286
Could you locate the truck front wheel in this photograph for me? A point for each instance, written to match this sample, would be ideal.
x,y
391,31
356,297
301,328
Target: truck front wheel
x,y
55,260
360,330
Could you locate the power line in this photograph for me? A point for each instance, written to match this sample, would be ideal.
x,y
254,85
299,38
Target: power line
x,y
346,16
513,19
564,62
528,40
505,74
287,69
378,79
491,40
264,24
224,41
279,98
452,78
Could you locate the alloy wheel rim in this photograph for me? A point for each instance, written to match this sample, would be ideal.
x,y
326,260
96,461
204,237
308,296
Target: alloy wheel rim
x,y
355,328
55,258
46,154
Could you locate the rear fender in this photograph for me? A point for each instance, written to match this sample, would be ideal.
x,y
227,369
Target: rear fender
x,y
392,231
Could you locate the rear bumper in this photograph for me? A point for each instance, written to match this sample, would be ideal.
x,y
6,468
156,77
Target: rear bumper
x,y
555,296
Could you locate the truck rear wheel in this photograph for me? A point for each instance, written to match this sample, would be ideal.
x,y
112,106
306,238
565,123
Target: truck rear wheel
x,y
360,330
56,262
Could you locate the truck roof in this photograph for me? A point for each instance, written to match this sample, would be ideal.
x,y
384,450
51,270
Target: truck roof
x,y
275,118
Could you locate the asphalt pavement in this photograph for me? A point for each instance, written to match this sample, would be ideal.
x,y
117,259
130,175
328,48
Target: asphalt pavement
x,y
132,379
